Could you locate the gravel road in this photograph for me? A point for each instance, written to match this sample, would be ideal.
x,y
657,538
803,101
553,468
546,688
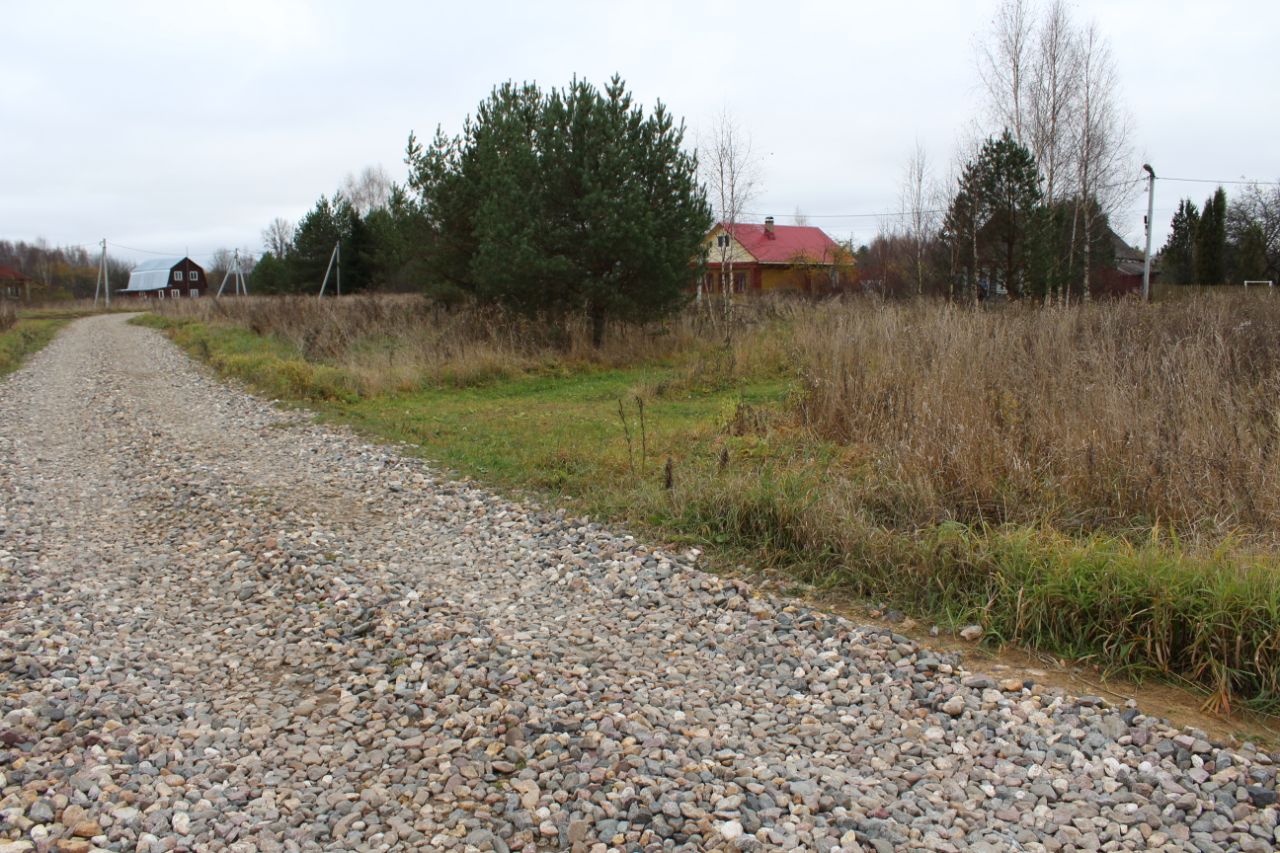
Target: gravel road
x,y
223,627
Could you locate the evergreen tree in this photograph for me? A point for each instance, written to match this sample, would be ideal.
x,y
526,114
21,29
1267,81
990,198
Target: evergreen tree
x,y
572,202
358,249
270,275
330,222
399,241
960,236
1211,240
313,241
1178,255
997,217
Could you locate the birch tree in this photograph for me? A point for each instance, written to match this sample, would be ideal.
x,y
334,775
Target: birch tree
x,y
369,190
1003,64
918,217
729,171
278,237
1101,151
1052,98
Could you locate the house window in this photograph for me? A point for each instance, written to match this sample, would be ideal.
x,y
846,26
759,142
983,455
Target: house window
x,y
193,292
739,282
177,275
722,240
194,275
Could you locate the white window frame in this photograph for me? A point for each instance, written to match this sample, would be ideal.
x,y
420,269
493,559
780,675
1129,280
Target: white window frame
x,y
193,275
177,275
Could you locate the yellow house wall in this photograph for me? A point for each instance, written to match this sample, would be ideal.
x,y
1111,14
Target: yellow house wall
x,y
781,279
737,254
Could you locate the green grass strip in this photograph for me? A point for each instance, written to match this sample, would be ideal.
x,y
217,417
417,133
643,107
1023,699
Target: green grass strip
x,y
24,338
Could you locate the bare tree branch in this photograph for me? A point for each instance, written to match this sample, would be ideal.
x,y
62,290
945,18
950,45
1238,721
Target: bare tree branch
x,y
1003,64
729,171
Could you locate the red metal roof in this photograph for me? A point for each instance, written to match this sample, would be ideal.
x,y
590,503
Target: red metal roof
x,y
10,274
785,244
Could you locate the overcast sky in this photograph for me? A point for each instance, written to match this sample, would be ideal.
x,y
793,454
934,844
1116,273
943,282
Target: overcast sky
x,y
176,127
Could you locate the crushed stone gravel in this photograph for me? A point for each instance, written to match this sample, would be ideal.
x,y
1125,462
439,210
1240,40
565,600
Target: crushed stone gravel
x,y
224,627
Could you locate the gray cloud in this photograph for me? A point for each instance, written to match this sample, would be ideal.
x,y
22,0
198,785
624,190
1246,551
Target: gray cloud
x,y
173,126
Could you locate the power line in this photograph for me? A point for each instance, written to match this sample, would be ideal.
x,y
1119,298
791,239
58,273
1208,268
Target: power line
x,y
205,255
136,249
1215,181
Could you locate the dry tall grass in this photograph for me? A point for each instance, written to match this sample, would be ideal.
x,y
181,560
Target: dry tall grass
x,y
390,343
1114,414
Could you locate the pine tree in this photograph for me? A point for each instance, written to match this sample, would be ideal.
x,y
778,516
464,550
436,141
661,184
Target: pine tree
x,y
318,230
569,203
998,212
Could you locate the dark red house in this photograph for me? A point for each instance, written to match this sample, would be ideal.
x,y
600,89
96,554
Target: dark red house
x,y
13,284
167,278
1123,276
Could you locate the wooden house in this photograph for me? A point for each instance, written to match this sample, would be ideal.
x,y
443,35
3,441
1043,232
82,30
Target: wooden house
x,y
167,278
1122,277
14,285
772,258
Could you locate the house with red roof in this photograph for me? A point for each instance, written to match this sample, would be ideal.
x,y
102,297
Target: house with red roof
x,y
13,284
773,258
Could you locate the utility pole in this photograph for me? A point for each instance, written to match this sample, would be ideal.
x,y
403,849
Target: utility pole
x,y
241,288
104,277
1151,206
335,258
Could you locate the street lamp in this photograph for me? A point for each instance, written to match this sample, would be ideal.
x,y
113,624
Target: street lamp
x,y
1151,201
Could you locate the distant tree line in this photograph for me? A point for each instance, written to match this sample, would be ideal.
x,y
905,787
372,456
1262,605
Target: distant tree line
x,y
1223,242
69,272
572,201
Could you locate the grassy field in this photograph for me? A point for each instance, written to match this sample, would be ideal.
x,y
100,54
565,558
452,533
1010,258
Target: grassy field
x,y
23,333
1098,483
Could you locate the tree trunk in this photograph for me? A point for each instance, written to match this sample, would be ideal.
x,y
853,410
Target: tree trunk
x,y
919,261
1071,254
1085,253
597,325
1010,289
974,282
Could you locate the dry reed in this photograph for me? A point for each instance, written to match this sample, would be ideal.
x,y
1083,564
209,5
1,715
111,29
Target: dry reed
x,y
1104,416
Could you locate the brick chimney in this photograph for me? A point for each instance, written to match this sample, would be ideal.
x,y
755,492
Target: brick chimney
x,y
768,227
